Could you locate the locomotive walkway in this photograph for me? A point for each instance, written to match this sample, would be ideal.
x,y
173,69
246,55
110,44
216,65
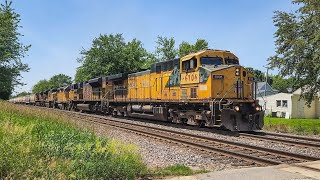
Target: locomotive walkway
x,y
301,171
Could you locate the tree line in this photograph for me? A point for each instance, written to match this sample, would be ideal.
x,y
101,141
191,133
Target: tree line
x,y
297,55
111,54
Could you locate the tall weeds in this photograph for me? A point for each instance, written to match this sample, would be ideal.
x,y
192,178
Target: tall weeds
x,y
40,144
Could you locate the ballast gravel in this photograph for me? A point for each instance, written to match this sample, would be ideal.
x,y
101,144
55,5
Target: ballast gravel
x,y
156,153
310,151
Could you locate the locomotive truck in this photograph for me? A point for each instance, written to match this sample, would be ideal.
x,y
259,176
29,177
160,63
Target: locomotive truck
x,y
206,88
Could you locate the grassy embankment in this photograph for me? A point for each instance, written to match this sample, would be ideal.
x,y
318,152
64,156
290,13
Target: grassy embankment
x,y
42,144
295,126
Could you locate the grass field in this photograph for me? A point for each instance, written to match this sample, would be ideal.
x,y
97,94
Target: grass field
x,y
295,126
44,146
39,144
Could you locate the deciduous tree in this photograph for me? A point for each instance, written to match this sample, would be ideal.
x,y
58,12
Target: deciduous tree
x,y
298,46
283,84
41,86
110,54
260,76
60,80
11,50
165,49
186,48
24,93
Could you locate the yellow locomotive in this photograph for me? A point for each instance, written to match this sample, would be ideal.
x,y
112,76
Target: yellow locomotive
x,y
207,88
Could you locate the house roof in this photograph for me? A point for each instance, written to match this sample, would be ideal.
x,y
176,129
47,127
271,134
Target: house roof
x,y
298,91
262,87
280,95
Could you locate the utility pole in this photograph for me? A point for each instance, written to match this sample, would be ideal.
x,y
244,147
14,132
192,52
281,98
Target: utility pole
x,y
265,89
266,82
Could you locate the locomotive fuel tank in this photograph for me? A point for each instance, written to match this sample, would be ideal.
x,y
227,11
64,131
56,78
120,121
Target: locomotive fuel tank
x,y
147,112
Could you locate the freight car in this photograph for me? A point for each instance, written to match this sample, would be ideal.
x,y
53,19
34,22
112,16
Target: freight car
x,y
207,88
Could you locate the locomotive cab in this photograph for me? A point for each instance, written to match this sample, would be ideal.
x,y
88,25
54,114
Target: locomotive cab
x,y
217,77
190,64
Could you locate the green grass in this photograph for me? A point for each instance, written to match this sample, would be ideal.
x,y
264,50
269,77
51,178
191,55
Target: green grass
x,y
34,145
295,126
37,143
176,170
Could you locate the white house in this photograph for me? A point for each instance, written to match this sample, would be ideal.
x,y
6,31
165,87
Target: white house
x,y
288,105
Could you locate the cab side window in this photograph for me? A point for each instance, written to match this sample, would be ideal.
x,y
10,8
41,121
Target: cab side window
x,y
158,68
193,63
185,65
189,65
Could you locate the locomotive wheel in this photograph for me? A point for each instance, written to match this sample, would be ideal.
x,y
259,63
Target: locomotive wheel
x,y
176,119
201,124
191,121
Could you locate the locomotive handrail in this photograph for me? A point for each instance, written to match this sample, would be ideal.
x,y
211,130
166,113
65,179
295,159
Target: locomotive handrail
x,y
250,88
105,95
225,95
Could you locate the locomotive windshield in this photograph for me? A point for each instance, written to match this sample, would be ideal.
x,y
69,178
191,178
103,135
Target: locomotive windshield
x,y
211,61
231,61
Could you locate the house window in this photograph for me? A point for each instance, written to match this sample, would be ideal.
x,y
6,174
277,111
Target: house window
x,y
278,103
284,103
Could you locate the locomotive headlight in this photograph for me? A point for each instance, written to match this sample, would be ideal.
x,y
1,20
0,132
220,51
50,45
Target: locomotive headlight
x,y
258,108
237,72
237,108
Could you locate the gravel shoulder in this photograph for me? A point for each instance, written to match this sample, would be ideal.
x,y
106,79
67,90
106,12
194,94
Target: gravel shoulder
x,y
311,151
156,153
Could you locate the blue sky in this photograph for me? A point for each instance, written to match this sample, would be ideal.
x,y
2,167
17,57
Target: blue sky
x,y
59,29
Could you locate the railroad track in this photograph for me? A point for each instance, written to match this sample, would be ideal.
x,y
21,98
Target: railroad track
x,y
260,155
291,140
249,153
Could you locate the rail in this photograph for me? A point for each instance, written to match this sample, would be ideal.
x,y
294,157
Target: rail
x,y
234,149
290,139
